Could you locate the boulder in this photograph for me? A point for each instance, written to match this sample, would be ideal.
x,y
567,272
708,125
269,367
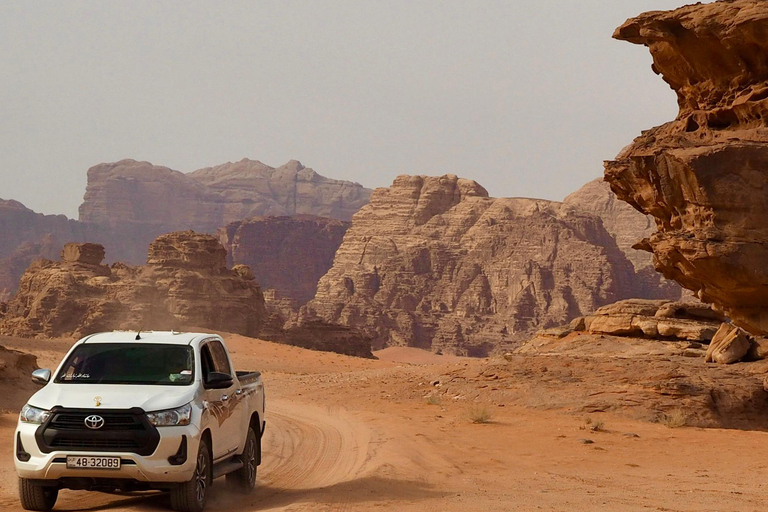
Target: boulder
x,y
87,253
729,345
758,350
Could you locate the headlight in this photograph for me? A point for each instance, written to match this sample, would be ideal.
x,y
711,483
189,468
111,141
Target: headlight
x,y
172,417
34,415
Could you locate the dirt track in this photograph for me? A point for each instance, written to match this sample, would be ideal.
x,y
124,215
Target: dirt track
x,y
345,434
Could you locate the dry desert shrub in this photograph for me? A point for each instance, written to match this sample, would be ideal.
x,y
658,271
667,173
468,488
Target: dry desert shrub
x,y
674,419
479,414
593,426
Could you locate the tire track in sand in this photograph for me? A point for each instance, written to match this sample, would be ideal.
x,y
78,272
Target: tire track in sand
x,y
305,448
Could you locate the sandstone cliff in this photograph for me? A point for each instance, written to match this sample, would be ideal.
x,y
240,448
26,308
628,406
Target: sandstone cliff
x,y
131,192
434,262
184,283
289,254
626,225
702,176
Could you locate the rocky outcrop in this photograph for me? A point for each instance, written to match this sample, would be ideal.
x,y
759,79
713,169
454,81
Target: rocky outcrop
x,y
656,319
626,225
656,327
433,262
703,176
162,200
26,236
185,283
288,254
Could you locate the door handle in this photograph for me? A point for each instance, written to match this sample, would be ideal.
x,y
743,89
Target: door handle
x,y
224,398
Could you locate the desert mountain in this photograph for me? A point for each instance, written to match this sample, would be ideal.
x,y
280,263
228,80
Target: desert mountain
x,y
163,200
128,204
703,175
433,262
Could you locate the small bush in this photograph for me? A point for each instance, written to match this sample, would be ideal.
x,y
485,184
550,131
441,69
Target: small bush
x,y
480,414
674,419
597,426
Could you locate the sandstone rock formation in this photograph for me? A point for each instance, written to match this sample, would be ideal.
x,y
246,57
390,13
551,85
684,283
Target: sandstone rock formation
x,y
703,176
130,195
627,226
729,345
289,254
655,319
26,236
184,283
433,262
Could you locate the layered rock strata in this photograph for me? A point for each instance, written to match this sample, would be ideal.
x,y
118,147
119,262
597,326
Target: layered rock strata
x,y
658,319
185,283
703,176
626,225
159,198
433,262
288,254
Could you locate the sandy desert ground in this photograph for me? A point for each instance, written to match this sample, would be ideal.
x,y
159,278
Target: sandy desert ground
x,y
348,434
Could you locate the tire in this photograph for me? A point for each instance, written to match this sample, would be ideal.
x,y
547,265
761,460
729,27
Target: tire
x,y
192,495
245,477
34,496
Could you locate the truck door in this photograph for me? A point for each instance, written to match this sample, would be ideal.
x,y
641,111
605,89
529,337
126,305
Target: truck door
x,y
222,403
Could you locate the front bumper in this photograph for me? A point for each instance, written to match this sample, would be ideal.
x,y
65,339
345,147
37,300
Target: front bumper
x,y
153,468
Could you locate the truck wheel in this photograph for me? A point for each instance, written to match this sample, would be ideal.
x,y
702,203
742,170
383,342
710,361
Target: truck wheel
x,y
35,496
192,495
245,477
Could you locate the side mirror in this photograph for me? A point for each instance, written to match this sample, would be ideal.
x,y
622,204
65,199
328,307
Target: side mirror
x,y
218,380
41,376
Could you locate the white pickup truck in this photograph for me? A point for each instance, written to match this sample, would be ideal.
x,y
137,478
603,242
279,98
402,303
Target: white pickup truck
x,y
130,411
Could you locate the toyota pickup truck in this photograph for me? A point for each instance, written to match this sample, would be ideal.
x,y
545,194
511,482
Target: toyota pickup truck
x,y
133,411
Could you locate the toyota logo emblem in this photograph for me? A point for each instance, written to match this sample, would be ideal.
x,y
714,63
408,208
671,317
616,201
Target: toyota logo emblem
x,y
94,422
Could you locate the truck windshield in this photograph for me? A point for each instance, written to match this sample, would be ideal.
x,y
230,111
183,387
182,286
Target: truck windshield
x,y
129,363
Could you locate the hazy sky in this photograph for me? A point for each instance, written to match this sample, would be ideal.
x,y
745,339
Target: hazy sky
x,y
526,97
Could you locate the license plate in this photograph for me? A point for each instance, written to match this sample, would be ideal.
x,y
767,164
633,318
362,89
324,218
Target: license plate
x,y
83,462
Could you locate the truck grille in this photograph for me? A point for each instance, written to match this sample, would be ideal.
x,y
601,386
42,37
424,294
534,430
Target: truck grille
x,y
122,431
112,421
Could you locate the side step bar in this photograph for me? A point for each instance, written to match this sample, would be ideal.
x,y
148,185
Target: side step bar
x,y
226,466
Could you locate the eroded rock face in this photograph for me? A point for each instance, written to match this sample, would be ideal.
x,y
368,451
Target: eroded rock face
x,y
434,262
26,235
703,176
129,192
627,226
184,284
288,254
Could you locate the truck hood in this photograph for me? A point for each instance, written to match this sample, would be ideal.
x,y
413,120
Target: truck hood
x,y
113,396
